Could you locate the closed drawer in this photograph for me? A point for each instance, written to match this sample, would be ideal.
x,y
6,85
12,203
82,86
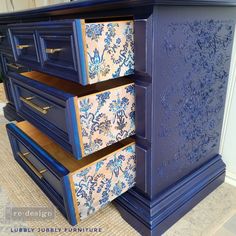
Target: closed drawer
x,y
57,48
80,51
24,46
7,88
9,64
82,119
85,186
4,39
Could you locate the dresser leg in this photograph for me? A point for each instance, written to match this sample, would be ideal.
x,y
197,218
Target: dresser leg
x,y
154,217
10,113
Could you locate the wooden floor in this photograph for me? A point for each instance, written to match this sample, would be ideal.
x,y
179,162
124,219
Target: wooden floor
x,y
213,216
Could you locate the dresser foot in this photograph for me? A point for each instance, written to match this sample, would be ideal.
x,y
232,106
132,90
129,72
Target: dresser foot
x,y
10,113
154,217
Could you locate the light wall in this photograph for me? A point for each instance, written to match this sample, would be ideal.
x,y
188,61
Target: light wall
x,y
228,139
17,5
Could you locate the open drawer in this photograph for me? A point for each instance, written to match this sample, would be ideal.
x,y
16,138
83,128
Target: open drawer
x,y
82,119
78,50
77,188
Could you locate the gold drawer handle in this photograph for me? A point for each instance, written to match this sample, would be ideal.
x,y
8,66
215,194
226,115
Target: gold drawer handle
x,y
14,66
25,154
30,165
22,46
53,50
43,110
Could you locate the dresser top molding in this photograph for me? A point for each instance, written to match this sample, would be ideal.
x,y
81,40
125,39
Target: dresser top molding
x,y
88,6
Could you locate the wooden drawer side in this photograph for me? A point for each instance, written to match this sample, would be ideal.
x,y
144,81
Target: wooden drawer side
x,y
98,184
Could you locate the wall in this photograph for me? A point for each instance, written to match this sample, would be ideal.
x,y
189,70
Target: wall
x,y
228,139
17,5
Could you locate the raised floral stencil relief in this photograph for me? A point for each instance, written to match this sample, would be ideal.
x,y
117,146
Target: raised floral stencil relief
x,y
107,117
110,50
104,181
192,103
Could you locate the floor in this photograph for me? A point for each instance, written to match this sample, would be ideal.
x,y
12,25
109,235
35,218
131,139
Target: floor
x,y
214,216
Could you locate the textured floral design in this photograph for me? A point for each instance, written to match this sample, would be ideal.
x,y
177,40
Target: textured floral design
x,y
99,184
107,117
192,104
110,50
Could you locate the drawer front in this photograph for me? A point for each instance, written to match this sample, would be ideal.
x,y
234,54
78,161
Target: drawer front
x,y
102,182
9,64
25,154
8,90
24,46
57,50
38,168
4,39
30,102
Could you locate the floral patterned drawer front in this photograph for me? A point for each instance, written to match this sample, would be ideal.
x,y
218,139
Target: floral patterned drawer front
x,y
97,185
106,117
109,50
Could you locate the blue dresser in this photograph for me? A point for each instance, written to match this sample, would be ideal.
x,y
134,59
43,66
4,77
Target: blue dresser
x,y
120,101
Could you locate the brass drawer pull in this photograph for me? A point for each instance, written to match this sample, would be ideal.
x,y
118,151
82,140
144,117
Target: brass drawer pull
x,y
43,110
42,171
53,50
14,66
30,165
22,46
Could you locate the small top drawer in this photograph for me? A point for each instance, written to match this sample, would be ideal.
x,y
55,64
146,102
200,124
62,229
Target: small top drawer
x,y
9,64
77,50
83,119
24,46
84,186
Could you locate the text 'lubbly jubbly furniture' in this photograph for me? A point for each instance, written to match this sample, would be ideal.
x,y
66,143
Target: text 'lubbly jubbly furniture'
x,y
119,100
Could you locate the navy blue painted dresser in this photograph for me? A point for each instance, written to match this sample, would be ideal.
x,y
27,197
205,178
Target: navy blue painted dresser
x,y
122,101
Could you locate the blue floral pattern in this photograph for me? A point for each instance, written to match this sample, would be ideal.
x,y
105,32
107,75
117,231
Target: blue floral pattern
x,y
192,101
110,50
107,117
99,184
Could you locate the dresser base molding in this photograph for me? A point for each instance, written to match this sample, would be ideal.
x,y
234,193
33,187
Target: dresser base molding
x,y
10,113
156,216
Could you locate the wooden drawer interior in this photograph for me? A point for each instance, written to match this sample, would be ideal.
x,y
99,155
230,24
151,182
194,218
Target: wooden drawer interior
x,y
75,88
62,156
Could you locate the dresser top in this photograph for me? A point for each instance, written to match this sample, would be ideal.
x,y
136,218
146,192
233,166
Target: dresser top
x,y
88,6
